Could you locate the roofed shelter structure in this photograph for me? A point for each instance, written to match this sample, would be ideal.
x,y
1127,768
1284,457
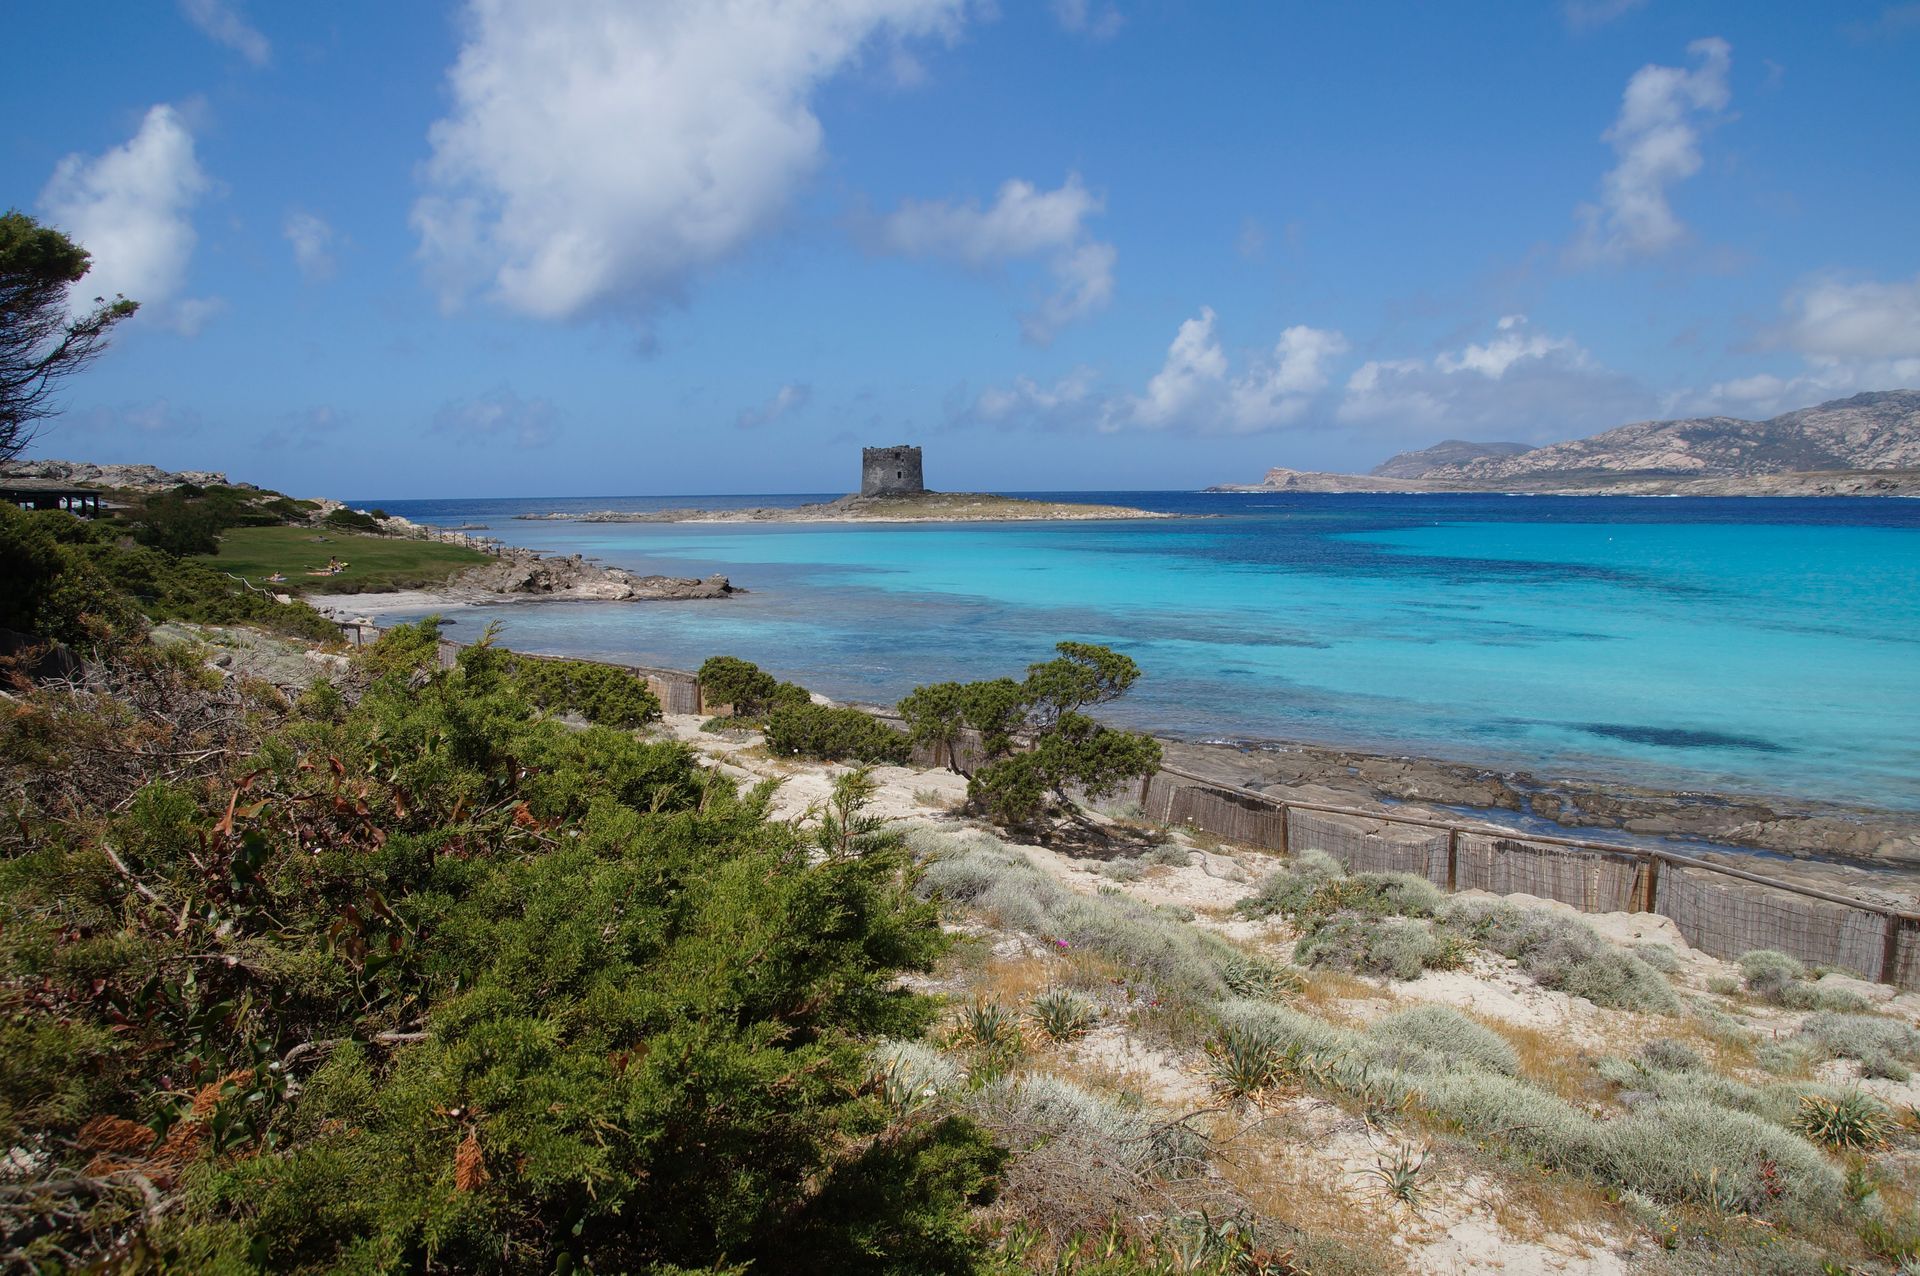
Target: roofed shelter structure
x,y
47,494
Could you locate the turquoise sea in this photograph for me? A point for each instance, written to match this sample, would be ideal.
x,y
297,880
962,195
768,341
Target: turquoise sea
x,y
1761,645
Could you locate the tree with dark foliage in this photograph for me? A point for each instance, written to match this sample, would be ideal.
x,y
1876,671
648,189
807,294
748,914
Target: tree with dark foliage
x,y
41,342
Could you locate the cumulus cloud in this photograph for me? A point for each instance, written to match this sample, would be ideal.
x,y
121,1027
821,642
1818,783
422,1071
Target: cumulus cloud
x,y
600,153
788,398
1851,336
130,208
222,23
1834,320
312,240
1022,222
1519,384
1656,139
500,415
1197,390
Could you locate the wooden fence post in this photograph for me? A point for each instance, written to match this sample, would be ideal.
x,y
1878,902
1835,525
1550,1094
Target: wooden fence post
x,y
1653,884
1286,818
1890,950
1453,860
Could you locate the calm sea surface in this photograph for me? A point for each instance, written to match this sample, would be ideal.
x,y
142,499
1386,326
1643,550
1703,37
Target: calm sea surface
x,y
1767,645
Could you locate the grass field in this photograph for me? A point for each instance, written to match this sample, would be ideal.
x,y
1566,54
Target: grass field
x,y
374,563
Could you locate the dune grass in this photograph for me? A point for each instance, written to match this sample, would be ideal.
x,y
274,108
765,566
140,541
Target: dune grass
x,y
375,564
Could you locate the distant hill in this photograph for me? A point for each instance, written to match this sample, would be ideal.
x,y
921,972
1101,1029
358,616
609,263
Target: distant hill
x,y
1868,445
1875,431
1411,465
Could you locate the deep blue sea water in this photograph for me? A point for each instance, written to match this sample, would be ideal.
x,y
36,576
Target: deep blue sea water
x,y
1768,645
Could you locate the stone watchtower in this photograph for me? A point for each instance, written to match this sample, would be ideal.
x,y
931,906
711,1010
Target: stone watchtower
x,y
891,471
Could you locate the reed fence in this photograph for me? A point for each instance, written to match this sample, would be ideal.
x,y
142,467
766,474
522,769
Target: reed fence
x,y
1718,909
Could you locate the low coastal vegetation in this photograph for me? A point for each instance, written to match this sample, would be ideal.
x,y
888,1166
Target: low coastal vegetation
x,y
87,583
489,967
372,563
1066,752
409,975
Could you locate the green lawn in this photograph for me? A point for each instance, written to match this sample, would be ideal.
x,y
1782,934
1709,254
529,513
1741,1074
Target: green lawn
x,y
374,563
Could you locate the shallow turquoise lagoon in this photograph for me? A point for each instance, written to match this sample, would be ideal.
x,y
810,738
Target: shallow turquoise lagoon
x,y
1764,645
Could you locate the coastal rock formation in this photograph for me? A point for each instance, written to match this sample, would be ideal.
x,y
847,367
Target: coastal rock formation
x,y
1410,465
523,573
1867,445
1877,431
1343,777
129,478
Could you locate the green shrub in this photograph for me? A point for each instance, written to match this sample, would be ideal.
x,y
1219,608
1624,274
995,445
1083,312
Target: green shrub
x,y
350,520
750,690
1316,886
604,695
1695,1152
1670,1055
1659,956
1070,752
1821,995
1884,1047
1388,947
831,734
443,983
1444,1032
1563,953
1767,973
1160,955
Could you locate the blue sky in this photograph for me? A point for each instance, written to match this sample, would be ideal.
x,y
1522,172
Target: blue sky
x,y
506,247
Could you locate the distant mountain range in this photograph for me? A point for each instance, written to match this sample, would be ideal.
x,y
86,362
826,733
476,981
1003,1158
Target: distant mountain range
x,y
1866,445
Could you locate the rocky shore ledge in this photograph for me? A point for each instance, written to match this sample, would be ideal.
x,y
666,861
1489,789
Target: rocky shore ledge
x,y
1849,846
930,507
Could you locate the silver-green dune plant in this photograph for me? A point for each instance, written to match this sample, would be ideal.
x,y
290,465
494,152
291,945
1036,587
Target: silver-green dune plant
x,y
1884,1047
1563,953
1153,948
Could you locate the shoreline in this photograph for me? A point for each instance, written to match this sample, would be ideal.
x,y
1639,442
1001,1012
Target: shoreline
x,y
1866,850
1810,832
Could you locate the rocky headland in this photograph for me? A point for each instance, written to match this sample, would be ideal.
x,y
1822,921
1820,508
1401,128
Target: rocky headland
x,y
1867,445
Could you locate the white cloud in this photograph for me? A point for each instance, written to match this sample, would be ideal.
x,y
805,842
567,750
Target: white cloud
x,y
1195,389
500,414
222,23
1083,17
1833,320
1023,221
1851,336
129,207
600,153
1656,138
1511,343
1027,401
312,240
1279,389
1518,384
789,398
